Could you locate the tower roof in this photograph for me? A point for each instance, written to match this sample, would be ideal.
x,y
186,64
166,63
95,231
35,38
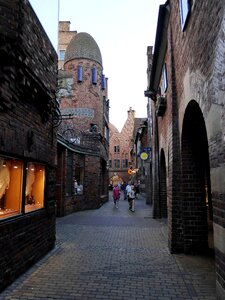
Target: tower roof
x,y
83,45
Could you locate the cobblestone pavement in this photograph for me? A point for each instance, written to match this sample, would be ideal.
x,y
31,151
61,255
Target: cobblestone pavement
x,y
115,254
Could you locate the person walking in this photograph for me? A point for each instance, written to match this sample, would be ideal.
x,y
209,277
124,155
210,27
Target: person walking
x,y
116,195
131,196
128,189
123,188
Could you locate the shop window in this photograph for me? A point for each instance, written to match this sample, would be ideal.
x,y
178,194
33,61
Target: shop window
x,y
35,184
69,174
79,180
11,174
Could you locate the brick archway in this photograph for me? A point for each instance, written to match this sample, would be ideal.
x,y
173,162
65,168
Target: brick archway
x,y
196,191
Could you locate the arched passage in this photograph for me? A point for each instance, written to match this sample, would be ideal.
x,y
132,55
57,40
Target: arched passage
x,y
163,188
197,204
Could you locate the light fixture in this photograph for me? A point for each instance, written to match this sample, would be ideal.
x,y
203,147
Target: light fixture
x,y
32,167
15,166
4,163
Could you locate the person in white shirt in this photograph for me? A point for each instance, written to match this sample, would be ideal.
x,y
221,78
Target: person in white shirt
x,y
128,190
132,196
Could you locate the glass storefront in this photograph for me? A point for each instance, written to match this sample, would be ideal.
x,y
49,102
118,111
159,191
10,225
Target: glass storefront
x,y
11,186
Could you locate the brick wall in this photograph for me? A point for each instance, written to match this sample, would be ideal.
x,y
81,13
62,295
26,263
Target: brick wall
x,y
28,72
195,68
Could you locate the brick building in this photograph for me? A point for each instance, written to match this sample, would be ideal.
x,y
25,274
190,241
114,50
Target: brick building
x,y
64,37
83,135
28,110
186,90
122,153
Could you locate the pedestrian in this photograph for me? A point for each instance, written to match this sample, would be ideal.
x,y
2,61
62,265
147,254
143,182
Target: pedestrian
x,y
128,189
137,188
116,195
132,199
123,188
75,186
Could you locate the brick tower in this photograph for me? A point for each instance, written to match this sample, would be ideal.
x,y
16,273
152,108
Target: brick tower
x,y
82,94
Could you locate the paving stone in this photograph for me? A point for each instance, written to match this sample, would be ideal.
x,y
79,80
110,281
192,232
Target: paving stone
x,y
112,254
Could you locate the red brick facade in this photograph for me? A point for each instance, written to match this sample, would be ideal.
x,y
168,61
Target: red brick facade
x,y
122,149
188,127
83,132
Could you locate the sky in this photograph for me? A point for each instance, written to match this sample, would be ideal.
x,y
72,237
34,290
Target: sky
x,y
123,29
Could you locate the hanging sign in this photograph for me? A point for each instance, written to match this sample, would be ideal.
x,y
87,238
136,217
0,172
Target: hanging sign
x,y
144,155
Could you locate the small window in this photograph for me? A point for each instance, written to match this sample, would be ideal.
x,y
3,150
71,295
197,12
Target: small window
x,y
185,8
80,74
164,80
94,75
35,184
103,82
125,163
116,163
11,174
62,54
116,149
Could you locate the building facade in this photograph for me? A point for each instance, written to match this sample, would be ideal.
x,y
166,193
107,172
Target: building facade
x,y
83,135
186,90
122,149
64,37
28,110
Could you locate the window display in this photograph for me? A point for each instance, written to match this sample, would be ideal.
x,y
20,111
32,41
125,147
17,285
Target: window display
x,y
11,172
35,181
79,177
11,185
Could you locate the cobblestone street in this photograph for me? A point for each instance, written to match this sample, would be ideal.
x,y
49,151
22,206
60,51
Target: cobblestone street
x,y
113,253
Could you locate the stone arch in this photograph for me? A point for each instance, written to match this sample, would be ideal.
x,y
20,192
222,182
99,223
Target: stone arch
x,y
196,187
163,186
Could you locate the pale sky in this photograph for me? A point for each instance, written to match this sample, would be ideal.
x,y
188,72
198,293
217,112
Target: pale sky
x,y
122,29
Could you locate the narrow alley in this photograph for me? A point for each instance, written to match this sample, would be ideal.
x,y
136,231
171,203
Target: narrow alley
x,y
112,253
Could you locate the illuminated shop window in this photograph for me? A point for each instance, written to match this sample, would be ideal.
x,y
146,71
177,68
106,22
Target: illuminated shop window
x,y
11,174
35,183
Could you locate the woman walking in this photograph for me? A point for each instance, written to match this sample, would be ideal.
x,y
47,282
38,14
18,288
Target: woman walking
x,y
116,195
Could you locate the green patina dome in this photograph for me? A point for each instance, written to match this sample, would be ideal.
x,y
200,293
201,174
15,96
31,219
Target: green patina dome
x,y
83,45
